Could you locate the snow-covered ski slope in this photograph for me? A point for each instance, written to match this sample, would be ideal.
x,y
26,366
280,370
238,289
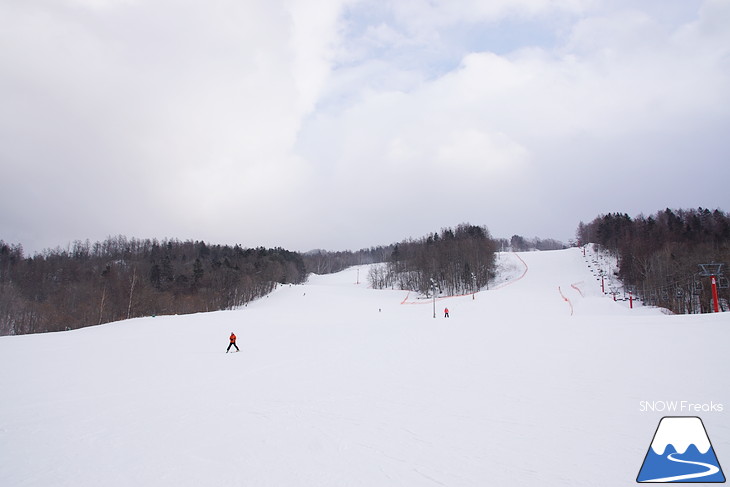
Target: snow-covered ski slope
x,y
337,384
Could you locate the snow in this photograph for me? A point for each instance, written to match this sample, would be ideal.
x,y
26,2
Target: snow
x,y
537,381
681,432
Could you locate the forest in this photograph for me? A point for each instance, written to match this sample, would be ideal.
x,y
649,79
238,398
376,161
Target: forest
x,y
120,278
328,262
453,261
661,256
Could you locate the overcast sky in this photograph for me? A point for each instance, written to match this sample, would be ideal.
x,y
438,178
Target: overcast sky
x,y
343,124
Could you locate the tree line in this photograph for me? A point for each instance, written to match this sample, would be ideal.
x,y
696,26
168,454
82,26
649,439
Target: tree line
x,y
453,261
518,243
660,255
120,278
328,262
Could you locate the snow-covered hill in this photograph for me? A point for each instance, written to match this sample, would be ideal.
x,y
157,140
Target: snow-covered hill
x,y
537,381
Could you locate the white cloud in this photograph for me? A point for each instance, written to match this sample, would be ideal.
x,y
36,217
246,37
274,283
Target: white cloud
x,y
615,99
473,152
187,111
332,124
427,15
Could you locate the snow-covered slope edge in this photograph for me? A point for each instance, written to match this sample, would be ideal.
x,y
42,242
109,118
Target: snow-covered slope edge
x,y
338,384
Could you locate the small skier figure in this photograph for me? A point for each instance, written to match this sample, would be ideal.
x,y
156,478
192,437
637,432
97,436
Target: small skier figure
x,y
233,343
446,312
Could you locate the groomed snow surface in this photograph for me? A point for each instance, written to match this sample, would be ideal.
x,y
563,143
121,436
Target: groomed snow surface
x,y
536,382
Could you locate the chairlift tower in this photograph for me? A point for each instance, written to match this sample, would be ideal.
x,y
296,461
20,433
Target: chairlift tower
x,y
433,286
713,271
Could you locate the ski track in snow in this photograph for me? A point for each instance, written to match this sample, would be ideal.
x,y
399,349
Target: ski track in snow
x,y
566,300
338,384
711,470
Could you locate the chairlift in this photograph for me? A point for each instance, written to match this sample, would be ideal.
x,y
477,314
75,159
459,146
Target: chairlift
x,y
723,283
697,288
714,269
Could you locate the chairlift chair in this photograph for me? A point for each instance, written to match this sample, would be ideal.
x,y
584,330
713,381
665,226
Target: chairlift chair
x,y
697,288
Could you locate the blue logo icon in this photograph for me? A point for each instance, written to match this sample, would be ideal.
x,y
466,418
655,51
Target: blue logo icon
x,y
681,452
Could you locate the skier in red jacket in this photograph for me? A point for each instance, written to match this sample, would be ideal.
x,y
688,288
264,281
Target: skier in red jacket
x,y
233,343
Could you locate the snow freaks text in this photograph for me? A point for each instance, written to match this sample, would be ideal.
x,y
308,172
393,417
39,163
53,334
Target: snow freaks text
x,y
684,407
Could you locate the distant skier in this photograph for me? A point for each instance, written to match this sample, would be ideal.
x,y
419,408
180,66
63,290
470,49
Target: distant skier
x,y
446,312
233,343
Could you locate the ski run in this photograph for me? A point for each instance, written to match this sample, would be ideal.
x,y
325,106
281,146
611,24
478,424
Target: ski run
x,y
538,381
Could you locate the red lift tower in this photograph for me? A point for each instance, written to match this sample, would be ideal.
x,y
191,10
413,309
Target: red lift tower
x,y
714,272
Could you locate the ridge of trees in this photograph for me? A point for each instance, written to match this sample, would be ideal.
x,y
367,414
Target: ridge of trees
x,y
120,278
659,255
518,243
456,261
327,262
